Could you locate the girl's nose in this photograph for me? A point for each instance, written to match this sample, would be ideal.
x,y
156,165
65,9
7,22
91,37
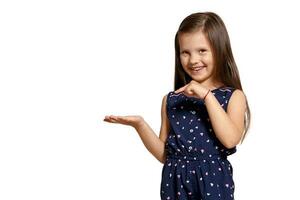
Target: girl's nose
x,y
194,59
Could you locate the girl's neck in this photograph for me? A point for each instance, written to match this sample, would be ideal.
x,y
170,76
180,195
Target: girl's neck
x,y
214,86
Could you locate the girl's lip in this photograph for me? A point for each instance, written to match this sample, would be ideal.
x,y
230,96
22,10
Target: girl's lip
x,y
197,68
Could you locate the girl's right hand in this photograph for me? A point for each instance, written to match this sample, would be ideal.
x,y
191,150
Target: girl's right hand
x,y
131,120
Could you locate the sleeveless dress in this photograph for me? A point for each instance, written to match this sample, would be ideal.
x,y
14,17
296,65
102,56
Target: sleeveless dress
x,y
196,166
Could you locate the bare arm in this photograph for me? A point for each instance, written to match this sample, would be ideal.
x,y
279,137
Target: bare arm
x,y
154,144
229,126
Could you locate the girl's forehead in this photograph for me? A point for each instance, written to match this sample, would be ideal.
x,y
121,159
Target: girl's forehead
x,y
193,39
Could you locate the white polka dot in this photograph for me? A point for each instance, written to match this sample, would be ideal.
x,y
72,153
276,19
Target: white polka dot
x,y
191,130
211,184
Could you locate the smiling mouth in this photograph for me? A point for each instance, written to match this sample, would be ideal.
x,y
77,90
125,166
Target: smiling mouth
x,y
196,69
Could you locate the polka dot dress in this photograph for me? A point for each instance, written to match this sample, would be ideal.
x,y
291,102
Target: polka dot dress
x,y
196,167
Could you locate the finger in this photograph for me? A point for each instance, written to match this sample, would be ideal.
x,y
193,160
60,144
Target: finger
x,y
118,119
111,118
189,91
107,119
181,89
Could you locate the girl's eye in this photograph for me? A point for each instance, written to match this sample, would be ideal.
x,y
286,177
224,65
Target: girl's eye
x,y
184,53
202,50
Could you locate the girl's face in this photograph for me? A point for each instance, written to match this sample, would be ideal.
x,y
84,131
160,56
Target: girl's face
x,y
196,57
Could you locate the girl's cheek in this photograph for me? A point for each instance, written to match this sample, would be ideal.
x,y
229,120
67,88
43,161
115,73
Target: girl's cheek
x,y
183,61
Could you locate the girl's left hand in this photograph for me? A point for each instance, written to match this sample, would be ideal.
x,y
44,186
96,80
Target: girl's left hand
x,y
193,89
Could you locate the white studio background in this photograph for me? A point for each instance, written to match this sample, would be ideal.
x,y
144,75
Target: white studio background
x,y
67,64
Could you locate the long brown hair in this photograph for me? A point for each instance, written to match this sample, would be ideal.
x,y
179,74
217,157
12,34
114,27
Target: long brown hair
x,y
225,68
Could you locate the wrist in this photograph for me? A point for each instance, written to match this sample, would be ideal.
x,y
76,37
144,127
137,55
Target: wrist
x,y
206,94
140,123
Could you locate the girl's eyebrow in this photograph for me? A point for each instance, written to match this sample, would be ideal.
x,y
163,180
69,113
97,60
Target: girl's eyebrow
x,y
198,48
201,48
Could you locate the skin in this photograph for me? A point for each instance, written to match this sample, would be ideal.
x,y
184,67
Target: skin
x,y
228,126
195,51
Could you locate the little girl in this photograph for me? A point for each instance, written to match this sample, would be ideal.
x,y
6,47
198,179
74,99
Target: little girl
x,y
203,120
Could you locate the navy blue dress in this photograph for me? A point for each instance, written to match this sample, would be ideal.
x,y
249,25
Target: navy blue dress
x,y
196,167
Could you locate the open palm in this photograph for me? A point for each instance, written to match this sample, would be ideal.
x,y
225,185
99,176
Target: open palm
x,y
131,120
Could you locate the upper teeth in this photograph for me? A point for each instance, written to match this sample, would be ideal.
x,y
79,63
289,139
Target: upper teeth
x,y
197,68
